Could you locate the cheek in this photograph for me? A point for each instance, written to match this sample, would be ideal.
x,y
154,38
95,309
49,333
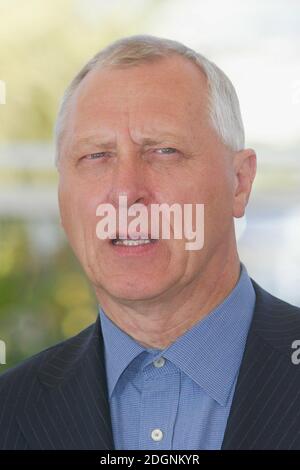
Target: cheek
x,y
213,188
78,210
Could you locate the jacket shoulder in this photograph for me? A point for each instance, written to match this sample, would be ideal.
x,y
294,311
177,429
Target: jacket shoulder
x,y
276,320
29,368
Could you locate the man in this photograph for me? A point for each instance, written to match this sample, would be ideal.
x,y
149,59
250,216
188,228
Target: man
x,y
187,352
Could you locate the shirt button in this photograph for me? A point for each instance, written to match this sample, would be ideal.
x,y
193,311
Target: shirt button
x,y
157,435
159,362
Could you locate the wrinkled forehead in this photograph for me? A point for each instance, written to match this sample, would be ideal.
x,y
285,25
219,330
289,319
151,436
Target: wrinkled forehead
x,y
171,89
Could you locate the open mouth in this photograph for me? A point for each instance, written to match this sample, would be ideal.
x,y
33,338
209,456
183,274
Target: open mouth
x,y
132,242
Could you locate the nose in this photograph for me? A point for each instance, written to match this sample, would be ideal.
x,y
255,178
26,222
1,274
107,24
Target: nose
x,y
130,179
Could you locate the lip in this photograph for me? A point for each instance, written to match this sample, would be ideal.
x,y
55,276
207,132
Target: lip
x,y
132,236
140,250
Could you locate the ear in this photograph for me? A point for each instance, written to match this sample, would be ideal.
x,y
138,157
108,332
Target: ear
x,y
244,163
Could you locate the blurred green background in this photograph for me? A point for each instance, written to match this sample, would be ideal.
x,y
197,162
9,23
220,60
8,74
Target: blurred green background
x,y
44,295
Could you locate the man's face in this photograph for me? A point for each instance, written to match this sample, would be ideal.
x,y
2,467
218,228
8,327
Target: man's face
x,y
144,132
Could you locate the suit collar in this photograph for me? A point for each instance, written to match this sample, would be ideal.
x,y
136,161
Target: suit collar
x,y
267,379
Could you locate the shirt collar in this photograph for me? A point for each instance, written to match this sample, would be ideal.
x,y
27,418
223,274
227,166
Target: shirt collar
x,y
120,350
210,353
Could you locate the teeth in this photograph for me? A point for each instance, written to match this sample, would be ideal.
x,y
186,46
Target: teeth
x,y
131,242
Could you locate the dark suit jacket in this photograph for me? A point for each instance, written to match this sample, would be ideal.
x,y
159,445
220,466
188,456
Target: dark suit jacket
x,y
58,399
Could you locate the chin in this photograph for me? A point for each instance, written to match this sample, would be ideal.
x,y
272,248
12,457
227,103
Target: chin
x,y
134,290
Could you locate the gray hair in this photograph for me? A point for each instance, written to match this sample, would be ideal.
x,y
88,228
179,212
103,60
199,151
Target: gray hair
x,y
224,108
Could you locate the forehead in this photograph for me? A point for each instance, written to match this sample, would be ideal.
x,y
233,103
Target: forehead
x,y
168,92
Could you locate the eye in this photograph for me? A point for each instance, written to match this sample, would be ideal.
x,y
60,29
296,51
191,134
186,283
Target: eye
x,y
167,150
95,156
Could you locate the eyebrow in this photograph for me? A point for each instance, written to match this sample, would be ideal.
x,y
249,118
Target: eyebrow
x,y
105,142
93,140
159,138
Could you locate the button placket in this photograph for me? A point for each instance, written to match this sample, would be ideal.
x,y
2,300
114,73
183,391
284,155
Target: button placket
x,y
157,435
160,362
159,404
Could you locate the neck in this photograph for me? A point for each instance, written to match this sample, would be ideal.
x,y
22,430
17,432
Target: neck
x,y
158,324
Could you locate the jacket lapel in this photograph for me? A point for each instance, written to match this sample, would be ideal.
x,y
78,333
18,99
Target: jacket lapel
x,y
266,400
71,410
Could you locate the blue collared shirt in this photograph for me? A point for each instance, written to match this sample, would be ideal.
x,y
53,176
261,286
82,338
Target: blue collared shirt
x,y
178,397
